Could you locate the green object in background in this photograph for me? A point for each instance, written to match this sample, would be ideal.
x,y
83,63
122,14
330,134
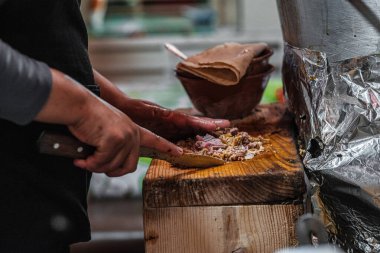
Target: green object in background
x,y
270,93
145,160
144,165
160,25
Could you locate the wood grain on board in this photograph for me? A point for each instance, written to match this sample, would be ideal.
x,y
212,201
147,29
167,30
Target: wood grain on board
x,y
273,177
221,229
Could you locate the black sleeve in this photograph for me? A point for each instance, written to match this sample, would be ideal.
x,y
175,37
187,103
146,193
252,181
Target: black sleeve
x,y
25,85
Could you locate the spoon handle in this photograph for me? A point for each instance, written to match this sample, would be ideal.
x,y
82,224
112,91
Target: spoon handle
x,y
175,51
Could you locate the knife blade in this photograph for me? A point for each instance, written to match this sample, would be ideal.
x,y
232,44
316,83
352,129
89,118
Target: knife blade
x,y
58,144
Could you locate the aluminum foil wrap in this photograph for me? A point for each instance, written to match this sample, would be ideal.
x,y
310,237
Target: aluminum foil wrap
x,y
337,111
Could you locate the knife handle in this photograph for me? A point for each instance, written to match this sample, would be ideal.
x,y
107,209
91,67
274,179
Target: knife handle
x,y
66,145
50,143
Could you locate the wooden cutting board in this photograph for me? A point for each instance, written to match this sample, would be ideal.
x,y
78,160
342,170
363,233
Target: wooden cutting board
x,y
273,177
249,207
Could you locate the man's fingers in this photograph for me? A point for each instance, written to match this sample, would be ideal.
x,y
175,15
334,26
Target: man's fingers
x,y
103,158
93,163
129,165
151,140
222,123
208,124
118,160
122,163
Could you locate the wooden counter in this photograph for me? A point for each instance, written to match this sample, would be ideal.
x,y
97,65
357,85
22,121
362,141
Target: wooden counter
x,y
248,206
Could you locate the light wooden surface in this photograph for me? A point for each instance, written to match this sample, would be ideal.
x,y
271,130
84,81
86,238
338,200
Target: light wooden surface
x,y
274,176
220,229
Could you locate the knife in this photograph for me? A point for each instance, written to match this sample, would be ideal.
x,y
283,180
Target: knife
x,y
58,144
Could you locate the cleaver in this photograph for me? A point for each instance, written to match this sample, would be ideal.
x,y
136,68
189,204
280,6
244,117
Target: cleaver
x,y
52,143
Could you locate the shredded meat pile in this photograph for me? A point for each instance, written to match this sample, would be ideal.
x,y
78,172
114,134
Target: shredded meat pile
x,y
228,144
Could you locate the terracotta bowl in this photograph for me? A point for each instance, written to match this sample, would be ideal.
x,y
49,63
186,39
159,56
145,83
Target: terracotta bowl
x,y
228,102
260,64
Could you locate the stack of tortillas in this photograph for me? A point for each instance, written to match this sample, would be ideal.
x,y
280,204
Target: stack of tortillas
x,y
224,64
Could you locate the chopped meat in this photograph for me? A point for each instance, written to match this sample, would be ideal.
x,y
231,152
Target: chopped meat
x,y
228,144
234,131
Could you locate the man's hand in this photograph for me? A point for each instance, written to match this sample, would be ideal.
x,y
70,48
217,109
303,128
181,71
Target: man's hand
x,y
116,138
167,123
164,122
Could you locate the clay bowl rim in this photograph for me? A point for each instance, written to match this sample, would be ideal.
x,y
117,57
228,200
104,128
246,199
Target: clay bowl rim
x,y
266,53
271,68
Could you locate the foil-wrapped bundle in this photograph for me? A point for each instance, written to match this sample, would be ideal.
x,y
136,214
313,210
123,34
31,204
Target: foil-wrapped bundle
x,y
332,81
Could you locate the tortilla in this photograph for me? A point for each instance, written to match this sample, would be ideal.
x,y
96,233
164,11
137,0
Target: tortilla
x,y
224,64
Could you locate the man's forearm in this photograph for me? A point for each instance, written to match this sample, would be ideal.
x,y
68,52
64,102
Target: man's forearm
x,y
25,85
67,102
30,90
108,91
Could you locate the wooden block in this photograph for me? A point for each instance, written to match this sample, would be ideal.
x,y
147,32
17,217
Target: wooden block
x,y
232,229
260,198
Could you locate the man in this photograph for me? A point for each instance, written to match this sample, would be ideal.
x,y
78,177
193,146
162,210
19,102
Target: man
x,y
43,49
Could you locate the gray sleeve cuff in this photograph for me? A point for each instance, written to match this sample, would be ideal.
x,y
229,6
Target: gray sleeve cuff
x,y
24,87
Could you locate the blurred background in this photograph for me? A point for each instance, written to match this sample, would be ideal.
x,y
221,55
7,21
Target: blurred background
x,y
126,44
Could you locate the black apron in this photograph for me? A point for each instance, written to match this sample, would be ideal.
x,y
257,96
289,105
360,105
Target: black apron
x,y
43,198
